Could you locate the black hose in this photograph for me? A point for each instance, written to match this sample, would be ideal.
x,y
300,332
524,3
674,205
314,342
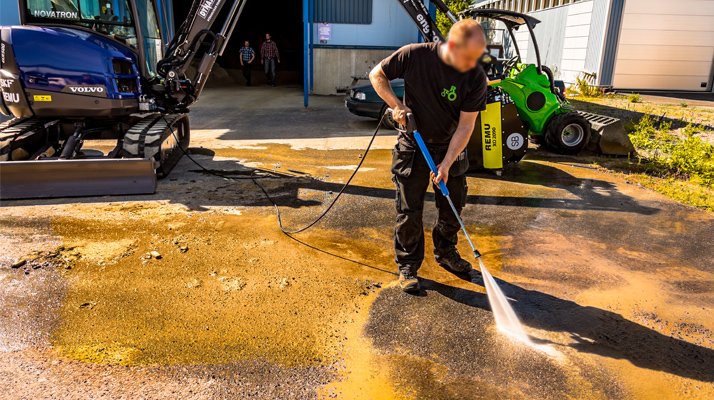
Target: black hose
x,y
286,231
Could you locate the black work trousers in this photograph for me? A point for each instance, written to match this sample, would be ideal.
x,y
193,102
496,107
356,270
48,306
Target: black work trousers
x,y
410,173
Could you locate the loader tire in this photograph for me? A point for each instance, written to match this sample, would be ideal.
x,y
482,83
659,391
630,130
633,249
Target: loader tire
x,y
163,138
568,133
20,138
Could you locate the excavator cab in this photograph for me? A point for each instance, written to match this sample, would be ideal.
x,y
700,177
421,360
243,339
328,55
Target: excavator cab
x,y
134,23
68,51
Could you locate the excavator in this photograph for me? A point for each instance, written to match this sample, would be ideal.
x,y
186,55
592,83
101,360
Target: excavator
x,y
75,71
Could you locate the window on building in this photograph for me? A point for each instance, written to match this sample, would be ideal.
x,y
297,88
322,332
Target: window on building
x,y
343,11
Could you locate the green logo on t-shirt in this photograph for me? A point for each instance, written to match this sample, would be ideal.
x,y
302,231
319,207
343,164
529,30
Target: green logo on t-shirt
x,y
449,93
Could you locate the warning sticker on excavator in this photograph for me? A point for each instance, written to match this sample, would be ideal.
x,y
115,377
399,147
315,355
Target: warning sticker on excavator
x,y
42,97
491,140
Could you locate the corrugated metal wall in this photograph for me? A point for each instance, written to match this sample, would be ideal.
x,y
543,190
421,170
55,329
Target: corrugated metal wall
x,y
343,11
598,25
612,37
570,38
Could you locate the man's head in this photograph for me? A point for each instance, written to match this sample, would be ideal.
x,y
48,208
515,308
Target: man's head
x,y
267,36
246,43
466,44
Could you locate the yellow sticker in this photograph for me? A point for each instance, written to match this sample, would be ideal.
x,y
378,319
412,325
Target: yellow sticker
x,y
42,97
491,140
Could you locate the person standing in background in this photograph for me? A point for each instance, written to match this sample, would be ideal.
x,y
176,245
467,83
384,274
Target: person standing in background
x,y
269,55
247,55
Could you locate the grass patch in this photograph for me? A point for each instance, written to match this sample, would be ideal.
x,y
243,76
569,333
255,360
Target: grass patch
x,y
583,88
684,156
634,98
674,142
683,191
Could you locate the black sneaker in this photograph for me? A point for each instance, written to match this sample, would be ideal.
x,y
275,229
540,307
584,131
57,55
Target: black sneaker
x,y
408,279
453,262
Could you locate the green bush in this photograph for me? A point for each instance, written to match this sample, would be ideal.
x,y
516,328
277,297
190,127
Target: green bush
x,y
456,6
685,155
634,98
584,88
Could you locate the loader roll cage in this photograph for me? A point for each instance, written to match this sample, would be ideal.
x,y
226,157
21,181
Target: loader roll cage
x,y
513,21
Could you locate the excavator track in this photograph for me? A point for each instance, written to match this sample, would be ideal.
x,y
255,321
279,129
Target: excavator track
x,y
155,137
20,138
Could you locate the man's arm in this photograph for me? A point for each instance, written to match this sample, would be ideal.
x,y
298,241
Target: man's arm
x,y
381,85
252,57
467,121
277,53
262,57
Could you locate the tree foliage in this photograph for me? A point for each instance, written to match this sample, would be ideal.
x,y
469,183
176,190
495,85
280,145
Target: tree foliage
x,y
456,6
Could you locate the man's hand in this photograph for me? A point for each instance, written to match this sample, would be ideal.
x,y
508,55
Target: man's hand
x,y
278,61
443,175
381,85
399,114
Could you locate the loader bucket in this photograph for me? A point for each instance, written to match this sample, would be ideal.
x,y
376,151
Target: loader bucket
x,y
608,135
76,178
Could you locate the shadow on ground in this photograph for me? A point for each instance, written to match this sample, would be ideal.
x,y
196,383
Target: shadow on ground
x,y
198,189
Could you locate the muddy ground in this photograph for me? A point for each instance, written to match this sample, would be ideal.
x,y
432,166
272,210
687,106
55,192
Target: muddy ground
x,y
195,292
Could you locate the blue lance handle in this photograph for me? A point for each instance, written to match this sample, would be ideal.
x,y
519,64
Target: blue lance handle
x,y
411,127
429,159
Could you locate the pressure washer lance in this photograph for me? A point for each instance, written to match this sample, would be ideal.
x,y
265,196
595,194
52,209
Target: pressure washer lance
x,y
411,127
506,319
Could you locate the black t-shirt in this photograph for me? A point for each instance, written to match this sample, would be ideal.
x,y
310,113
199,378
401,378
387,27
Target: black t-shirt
x,y
436,92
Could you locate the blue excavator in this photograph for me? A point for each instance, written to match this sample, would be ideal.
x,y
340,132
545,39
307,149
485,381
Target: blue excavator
x,y
76,70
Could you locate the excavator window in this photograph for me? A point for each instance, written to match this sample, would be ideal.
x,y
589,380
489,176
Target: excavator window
x,y
149,25
111,18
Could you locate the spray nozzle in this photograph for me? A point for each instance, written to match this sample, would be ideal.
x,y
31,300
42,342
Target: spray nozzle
x,y
477,254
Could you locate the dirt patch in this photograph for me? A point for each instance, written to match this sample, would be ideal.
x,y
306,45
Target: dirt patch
x,y
230,297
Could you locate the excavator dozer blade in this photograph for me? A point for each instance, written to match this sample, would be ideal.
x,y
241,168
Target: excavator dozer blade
x,y
76,178
608,135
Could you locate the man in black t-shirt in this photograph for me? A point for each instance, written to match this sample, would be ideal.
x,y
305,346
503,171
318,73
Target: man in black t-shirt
x,y
445,89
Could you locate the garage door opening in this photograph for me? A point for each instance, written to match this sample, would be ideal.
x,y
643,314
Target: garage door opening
x,y
283,21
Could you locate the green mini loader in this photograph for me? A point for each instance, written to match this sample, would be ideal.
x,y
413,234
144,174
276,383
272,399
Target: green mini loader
x,y
542,107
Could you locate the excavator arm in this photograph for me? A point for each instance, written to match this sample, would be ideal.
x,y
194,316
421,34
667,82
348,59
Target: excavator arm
x,y
179,90
420,15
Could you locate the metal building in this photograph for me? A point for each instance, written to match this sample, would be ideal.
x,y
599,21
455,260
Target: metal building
x,y
624,44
